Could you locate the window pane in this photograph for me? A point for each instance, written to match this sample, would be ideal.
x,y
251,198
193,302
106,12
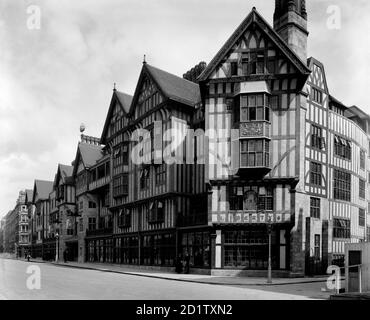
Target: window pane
x,y
260,114
259,145
243,159
244,114
267,159
244,146
252,113
251,160
267,146
259,159
244,101
260,100
267,114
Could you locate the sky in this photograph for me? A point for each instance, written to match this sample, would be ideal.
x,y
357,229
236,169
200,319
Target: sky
x,y
60,75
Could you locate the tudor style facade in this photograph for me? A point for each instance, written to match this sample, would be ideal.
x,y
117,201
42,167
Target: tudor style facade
x,y
262,142
40,226
151,201
63,221
270,149
255,101
297,156
92,180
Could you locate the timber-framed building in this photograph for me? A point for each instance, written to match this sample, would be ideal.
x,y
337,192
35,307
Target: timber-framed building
x,y
263,143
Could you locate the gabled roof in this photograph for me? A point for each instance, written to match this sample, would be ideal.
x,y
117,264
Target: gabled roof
x,y
170,85
65,170
29,194
311,61
357,112
332,99
42,188
174,87
63,173
124,100
256,18
90,154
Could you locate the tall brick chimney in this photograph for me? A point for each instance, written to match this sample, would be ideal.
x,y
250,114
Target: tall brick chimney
x,y
290,22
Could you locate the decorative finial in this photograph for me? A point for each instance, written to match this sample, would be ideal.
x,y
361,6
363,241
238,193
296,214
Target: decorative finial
x,y
144,62
114,86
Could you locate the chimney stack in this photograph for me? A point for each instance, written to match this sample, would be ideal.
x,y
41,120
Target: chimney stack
x,y
290,22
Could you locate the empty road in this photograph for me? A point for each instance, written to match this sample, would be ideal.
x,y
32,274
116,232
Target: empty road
x,y
64,283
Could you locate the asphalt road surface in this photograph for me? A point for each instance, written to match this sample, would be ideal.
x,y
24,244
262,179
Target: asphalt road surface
x,y
64,283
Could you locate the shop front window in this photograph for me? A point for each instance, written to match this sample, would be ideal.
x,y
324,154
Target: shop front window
x,y
249,249
197,244
158,250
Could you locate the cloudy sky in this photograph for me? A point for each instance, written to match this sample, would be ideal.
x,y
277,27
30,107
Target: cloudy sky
x,y
56,77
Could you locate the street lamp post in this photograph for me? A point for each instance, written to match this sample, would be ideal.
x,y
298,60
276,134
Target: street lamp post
x,y
269,231
57,248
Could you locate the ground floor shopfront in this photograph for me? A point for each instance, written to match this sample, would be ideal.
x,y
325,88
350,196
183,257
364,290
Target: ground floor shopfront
x,y
71,253
232,249
22,250
151,248
45,250
49,249
37,250
219,247
247,247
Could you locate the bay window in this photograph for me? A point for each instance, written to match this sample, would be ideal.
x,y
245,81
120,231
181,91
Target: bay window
x,y
254,108
255,153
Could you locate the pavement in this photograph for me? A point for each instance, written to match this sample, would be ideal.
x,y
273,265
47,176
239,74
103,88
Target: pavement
x,y
197,278
74,282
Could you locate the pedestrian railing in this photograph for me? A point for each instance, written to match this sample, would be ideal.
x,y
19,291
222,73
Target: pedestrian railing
x,y
358,268
353,276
